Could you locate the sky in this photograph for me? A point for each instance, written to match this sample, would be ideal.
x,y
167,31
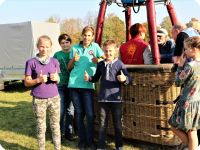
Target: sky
x,y
14,11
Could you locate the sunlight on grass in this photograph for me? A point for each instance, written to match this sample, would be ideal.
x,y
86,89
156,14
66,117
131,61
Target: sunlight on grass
x,y
17,124
18,140
6,105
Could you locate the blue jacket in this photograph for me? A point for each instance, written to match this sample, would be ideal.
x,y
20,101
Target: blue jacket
x,y
110,87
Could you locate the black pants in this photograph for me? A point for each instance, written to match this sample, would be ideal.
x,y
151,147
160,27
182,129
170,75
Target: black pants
x,y
116,111
198,134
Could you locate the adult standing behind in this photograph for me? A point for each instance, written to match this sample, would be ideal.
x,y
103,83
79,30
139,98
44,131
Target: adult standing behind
x,y
176,29
66,106
84,56
166,46
41,73
192,30
136,50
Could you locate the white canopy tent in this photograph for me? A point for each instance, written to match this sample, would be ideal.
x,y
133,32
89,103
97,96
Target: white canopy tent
x,y
18,43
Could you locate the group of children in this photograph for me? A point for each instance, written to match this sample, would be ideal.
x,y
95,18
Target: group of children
x,y
53,79
74,70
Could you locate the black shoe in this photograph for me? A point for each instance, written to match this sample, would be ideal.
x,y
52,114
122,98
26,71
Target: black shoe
x,y
69,137
92,146
81,145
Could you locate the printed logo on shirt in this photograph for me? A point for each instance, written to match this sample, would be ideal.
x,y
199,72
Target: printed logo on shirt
x,y
131,50
91,52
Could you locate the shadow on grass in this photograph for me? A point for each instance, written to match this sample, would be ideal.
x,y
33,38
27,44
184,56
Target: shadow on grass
x,y
13,87
17,118
142,145
13,146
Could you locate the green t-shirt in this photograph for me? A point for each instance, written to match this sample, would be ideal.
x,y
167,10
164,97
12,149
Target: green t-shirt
x,y
76,79
63,59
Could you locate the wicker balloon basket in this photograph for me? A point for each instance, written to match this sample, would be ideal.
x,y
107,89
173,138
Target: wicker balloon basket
x,y
147,105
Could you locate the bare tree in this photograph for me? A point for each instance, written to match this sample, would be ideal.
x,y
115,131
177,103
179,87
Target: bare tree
x,y
91,19
72,27
53,19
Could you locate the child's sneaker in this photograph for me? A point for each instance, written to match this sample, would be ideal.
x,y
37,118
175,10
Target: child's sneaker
x,y
119,148
1,148
198,148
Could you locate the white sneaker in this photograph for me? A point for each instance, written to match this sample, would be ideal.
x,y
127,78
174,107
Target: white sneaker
x,y
119,148
1,148
198,148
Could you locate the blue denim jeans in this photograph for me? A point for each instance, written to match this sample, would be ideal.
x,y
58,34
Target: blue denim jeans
x,y
116,111
83,103
66,111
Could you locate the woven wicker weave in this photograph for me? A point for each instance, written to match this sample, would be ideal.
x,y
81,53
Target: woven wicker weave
x,y
147,104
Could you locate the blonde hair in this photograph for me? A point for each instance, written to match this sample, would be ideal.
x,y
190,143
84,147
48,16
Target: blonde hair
x,y
109,42
195,25
43,37
192,42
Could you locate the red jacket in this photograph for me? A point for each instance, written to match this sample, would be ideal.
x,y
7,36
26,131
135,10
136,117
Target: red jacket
x,y
132,51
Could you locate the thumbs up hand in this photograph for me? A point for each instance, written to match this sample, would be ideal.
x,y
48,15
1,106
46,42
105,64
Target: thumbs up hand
x,y
54,76
122,77
94,59
86,76
42,78
76,56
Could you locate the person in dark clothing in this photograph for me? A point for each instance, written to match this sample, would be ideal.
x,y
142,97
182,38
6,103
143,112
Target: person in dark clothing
x,y
113,73
191,31
166,46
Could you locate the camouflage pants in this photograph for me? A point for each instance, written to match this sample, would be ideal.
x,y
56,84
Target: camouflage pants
x,y
52,105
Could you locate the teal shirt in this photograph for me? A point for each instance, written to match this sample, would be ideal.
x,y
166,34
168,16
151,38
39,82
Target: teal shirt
x,y
63,59
76,79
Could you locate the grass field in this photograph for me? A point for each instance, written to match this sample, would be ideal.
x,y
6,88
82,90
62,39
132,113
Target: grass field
x,y
17,124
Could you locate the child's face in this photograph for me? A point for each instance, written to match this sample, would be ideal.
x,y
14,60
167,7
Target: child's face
x,y
87,38
44,47
65,45
190,52
109,52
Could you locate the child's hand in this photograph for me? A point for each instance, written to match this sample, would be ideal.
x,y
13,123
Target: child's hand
x,y
182,59
42,78
86,76
54,76
122,77
94,59
76,56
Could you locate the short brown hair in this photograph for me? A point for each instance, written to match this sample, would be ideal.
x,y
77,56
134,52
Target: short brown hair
x,y
88,28
64,37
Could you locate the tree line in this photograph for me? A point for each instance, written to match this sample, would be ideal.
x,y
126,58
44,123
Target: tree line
x,y
114,27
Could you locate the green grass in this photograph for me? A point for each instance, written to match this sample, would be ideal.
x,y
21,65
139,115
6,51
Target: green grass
x,y
17,124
